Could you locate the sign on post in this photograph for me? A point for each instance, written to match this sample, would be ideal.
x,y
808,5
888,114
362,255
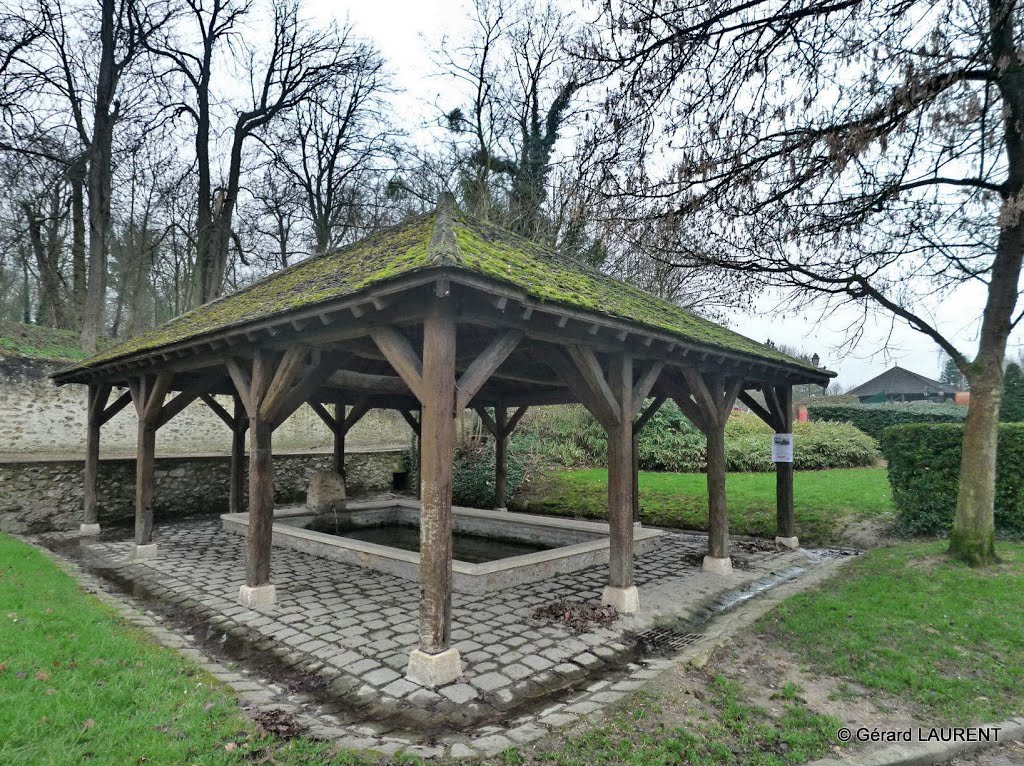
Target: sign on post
x,y
782,448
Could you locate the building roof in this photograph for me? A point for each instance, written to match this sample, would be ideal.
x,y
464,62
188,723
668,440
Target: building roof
x,y
901,381
443,239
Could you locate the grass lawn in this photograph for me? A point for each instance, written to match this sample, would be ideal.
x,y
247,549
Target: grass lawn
x,y
824,501
77,685
909,622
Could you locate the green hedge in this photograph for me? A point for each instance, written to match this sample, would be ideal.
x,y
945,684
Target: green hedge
x,y
872,419
569,436
924,471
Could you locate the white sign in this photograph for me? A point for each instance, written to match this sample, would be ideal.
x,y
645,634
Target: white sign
x,y
782,448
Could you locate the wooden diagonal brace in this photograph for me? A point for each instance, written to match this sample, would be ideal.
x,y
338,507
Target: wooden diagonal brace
x,y
483,367
754,406
414,424
218,410
155,397
308,384
285,374
324,414
403,358
488,421
643,387
593,377
119,404
183,399
243,385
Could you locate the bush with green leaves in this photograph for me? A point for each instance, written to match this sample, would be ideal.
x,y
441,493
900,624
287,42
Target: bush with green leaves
x,y
924,471
872,419
569,436
473,477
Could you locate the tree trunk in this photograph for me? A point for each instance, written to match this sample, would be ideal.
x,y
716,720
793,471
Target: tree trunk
x,y
973,537
76,176
100,161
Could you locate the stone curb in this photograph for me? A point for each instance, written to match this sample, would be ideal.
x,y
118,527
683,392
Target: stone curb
x,y
928,753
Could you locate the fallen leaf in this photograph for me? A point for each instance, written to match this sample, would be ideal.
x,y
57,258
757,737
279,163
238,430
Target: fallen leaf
x,y
42,676
230,746
89,723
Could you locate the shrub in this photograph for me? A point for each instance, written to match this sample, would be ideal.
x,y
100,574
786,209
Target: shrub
x,y
872,419
1012,409
569,436
473,472
924,471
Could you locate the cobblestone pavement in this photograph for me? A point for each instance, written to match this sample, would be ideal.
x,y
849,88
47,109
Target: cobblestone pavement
x,y
352,629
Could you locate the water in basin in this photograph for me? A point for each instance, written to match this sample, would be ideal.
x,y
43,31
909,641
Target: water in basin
x,y
472,549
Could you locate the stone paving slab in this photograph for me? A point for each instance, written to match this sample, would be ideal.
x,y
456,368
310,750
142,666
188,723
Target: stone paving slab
x,y
354,629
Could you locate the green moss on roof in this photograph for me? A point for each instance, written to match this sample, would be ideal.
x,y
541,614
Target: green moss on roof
x,y
36,342
442,238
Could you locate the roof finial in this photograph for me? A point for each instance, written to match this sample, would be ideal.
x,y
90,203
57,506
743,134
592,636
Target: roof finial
x,y
446,201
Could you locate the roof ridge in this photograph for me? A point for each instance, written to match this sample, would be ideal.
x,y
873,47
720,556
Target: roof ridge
x,y
443,250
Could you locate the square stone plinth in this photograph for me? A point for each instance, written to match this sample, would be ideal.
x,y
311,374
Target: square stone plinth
x,y
788,542
433,670
718,566
144,552
258,595
88,530
626,600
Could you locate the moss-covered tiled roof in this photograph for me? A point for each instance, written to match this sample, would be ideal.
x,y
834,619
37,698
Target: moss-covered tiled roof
x,y
445,237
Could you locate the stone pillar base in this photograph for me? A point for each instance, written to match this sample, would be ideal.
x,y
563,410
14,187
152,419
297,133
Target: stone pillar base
x,y
432,670
144,552
503,509
718,566
626,600
86,530
258,595
787,542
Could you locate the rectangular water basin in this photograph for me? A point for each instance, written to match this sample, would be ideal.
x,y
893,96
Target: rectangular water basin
x,y
499,549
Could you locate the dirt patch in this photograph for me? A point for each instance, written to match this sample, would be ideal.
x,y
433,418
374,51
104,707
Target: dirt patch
x,y
874,532
280,723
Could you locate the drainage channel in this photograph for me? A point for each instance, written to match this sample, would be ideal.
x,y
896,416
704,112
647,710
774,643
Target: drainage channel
x,y
668,640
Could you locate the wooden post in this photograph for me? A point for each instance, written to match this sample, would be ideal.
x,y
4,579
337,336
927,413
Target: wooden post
x,y
261,488
635,451
148,394
435,662
339,440
620,483
707,401
96,402
144,461
785,534
718,517
236,488
418,446
500,457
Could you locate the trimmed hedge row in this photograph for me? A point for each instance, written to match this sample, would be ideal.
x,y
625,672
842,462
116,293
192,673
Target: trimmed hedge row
x,y
924,471
874,418
569,436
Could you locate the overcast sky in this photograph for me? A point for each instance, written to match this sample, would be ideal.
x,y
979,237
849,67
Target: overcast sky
x,y
409,32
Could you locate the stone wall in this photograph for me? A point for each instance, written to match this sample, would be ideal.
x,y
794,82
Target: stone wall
x,y
38,418
42,495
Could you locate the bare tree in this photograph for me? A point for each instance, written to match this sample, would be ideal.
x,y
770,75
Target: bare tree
x,y
298,61
332,146
865,152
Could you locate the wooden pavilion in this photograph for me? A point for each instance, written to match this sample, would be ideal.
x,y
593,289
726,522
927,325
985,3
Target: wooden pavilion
x,y
439,313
